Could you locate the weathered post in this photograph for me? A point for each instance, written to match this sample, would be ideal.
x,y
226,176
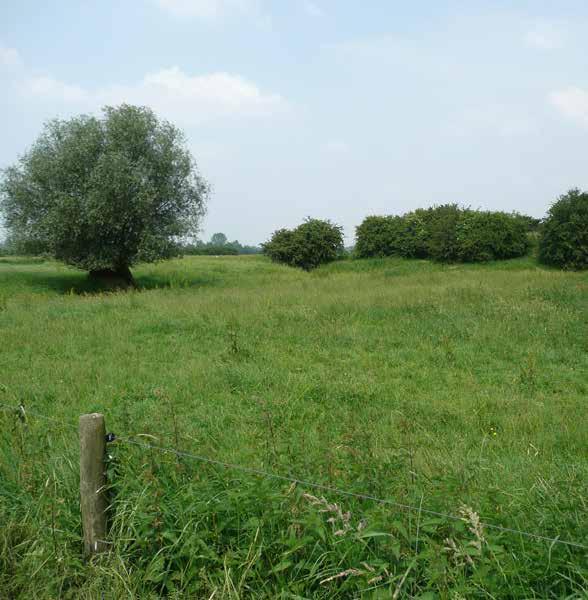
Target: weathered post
x,y
93,482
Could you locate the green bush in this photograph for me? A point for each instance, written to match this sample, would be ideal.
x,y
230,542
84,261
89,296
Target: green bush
x,y
442,243
563,241
445,233
376,236
309,245
483,236
415,232
393,236
281,246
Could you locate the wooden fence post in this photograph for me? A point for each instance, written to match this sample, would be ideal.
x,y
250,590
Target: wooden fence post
x,y
93,500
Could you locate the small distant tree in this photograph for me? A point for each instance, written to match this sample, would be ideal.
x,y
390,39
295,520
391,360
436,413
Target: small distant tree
x,y
563,240
218,239
104,193
313,243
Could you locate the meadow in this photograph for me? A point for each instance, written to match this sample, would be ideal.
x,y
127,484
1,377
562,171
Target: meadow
x,y
456,389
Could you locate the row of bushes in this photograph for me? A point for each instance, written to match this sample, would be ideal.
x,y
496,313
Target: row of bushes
x,y
446,233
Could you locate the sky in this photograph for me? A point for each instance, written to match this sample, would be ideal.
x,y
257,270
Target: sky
x,y
333,109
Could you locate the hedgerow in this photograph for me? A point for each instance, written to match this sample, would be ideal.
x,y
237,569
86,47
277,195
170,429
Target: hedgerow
x,y
444,233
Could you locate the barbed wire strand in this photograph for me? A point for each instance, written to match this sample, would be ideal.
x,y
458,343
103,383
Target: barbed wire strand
x,y
19,409
302,482
341,492
23,410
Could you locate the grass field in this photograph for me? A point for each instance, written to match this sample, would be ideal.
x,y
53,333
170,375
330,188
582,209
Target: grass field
x,y
433,386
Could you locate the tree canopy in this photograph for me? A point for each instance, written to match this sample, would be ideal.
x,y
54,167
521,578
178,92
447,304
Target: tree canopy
x,y
103,193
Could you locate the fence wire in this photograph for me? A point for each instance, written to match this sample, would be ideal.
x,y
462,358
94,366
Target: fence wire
x,y
22,412
341,492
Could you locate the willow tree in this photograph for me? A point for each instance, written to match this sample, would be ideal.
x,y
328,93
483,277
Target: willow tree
x,y
103,193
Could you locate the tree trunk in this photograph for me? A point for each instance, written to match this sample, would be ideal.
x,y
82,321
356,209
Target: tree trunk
x,y
120,277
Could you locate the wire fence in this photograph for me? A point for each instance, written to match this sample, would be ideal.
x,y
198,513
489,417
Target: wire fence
x,y
22,411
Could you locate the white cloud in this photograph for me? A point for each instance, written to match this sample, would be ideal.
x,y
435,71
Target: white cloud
x,y
572,103
52,89
312,9
171,92
211,9
9,57
545,35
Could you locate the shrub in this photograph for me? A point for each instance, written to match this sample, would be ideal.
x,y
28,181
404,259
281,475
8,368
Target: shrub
x,y
563,240
445,233
416,232
375,237
280,248
311,244
442,243
393,236
483,236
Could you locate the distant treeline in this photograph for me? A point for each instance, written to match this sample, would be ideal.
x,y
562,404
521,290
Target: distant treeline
x,y
12,246
218,245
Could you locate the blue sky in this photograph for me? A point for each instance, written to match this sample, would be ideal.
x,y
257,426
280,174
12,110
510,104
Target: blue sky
x,y
326,108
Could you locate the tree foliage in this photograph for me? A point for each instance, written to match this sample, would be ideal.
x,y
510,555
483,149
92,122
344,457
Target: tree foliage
x,y
563,240
218,239
313,243
445,233
102,193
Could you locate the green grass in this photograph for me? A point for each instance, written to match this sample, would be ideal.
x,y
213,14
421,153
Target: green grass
x,y
429,385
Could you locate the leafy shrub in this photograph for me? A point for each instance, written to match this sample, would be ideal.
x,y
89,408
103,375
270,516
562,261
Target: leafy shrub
x,y
416,226
393,236
281,246
563,240
483,236
442,243
375,237
445,233
313,243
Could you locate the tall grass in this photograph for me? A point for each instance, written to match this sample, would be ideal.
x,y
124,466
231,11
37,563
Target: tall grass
x,y
451,388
